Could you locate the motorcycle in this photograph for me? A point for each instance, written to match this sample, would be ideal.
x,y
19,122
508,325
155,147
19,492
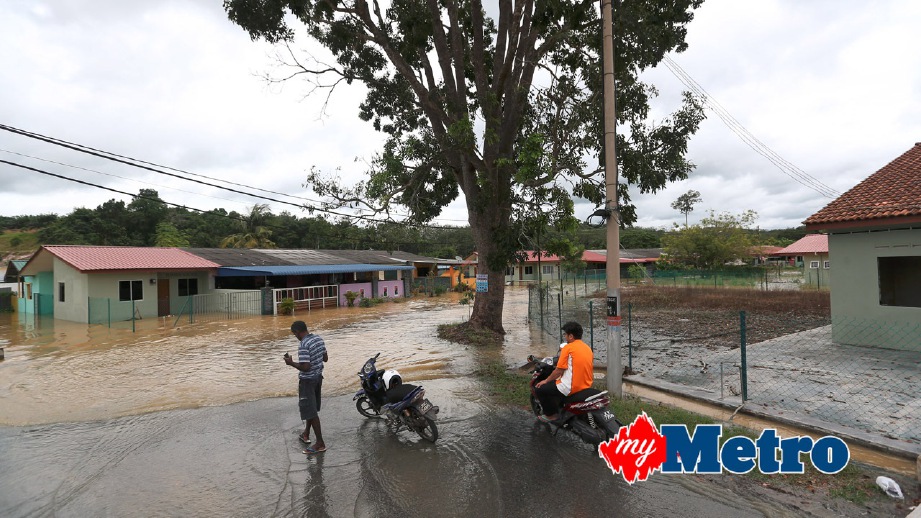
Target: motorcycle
x,y
584,413
383,394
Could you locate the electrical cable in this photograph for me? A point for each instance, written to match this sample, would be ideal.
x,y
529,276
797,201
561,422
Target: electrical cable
x,y
747,137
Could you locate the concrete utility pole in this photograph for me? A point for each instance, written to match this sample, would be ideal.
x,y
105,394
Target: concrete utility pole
x,y
615,367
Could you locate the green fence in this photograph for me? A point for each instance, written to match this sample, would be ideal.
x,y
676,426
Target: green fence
x,y
213,307
860,374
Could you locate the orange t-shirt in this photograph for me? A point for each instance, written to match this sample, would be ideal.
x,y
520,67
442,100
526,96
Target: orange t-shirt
x,y
576,357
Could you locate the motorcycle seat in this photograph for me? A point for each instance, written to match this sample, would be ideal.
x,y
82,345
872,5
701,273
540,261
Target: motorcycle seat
x,y
396,394
580,396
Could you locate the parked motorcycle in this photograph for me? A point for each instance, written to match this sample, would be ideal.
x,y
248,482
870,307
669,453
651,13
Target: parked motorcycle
x,y
584,413
383,394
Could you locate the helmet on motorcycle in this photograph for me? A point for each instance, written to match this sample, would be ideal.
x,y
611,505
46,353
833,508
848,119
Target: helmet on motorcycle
x,y
391,379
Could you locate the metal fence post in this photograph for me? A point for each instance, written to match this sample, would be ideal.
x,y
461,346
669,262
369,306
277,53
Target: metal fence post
x,y
591,324
630,336
744,373
559,306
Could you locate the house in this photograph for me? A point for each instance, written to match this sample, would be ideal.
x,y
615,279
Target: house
x,y
98,284
548,267
811,253
874,231
12,271
63,280
596,260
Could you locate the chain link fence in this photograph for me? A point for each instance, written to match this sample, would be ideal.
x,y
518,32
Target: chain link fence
x,y
861,374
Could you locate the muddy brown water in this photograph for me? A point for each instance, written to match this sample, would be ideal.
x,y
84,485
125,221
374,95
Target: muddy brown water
x,y
63,371
186,422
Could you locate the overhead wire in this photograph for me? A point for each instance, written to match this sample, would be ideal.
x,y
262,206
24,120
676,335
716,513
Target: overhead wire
x,y
747,137
186,207
148,166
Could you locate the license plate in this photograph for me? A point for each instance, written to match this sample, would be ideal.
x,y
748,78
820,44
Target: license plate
x,y
425,406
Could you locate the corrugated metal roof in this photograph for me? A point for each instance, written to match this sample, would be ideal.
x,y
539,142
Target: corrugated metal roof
x,y
630,255
237,256
102,258
811,244
306,257
315,269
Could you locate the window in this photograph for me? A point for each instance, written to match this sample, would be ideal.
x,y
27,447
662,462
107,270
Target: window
x,y
130,290
60,292
385,291
529,270
188,287
899,281
510,270
827,265
547,269
813,264
396,291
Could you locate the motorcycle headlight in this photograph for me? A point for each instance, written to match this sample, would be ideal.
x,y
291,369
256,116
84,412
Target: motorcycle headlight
x,y
367,368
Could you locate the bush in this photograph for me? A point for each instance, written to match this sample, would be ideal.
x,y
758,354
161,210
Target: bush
x,y
286,307
440,290
350,297
365,303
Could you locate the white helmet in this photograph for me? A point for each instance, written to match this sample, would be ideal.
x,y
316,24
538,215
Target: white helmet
x,y
391,379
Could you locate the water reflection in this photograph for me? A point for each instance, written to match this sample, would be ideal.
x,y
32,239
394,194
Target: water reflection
x,y
58,371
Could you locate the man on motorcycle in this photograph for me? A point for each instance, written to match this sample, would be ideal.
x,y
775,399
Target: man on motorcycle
x,y
573,373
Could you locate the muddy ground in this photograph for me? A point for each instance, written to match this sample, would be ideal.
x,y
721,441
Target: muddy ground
x,y
666,333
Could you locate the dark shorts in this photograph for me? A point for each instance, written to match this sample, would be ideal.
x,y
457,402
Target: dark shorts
x,y
308,397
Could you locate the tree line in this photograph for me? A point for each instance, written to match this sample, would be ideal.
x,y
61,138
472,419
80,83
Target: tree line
x,y
148,221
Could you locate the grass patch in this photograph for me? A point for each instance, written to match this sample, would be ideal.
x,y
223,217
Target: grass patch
x,y
466,334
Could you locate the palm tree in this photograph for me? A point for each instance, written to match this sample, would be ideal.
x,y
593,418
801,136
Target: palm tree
x,y
253,234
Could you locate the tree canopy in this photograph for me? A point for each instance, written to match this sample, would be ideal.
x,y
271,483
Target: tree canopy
x,y
685,203
717,240
503,107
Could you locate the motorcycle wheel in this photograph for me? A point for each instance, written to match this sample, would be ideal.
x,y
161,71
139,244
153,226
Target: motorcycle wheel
x,y
365,408
424,426
535,406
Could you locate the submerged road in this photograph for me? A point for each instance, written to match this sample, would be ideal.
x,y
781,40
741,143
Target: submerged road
x,y
245,459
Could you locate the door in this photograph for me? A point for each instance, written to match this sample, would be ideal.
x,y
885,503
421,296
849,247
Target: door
x,y
162,297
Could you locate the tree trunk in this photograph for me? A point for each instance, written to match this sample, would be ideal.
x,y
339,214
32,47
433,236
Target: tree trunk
x,y
487,306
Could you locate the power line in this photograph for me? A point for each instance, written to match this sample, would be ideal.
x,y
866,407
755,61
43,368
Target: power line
x,y
142,165
211,213
746,136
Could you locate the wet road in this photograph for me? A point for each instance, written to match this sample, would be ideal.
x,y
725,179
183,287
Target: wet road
x,y
186,422
245,460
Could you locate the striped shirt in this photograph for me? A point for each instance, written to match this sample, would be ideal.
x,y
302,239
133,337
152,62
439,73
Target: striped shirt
x,y
311,350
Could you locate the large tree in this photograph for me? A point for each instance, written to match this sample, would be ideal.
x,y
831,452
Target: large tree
x,y
716,241
504,107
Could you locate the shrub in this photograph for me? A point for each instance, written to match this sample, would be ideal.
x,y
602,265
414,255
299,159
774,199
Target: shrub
x,y
350,297
286,307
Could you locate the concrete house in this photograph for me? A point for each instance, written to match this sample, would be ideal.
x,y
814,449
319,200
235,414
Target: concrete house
x,y
811,254
874,232
63,280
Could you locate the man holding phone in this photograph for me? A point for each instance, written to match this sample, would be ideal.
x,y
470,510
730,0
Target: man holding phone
x,y
311,355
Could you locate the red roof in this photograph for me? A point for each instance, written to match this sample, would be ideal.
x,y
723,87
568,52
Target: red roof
x,y
96,258
811,244
531,257
891,195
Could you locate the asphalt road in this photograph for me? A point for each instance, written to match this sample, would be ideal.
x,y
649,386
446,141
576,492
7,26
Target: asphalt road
x,y
245,460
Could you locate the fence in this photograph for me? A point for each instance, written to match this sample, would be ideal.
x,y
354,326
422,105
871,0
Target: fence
x,y
214,307
586,282
860,374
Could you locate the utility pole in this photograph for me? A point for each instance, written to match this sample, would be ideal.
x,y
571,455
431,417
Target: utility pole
x,y
615,368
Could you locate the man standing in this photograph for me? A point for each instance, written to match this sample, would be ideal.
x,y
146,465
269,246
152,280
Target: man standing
x,y
311,354
573,372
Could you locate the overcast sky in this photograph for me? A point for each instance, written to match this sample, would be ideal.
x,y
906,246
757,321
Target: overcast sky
x,y
831,87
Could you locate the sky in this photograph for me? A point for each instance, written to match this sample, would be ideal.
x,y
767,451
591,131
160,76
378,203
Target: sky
x,y
830,89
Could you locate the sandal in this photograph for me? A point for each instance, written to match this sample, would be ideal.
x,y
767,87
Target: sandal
x,y
313,451
305,440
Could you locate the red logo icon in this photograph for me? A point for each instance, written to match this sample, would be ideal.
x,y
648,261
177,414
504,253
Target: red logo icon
x,y
637,451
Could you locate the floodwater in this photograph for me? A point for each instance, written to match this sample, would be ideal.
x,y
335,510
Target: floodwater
x,y
185,422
